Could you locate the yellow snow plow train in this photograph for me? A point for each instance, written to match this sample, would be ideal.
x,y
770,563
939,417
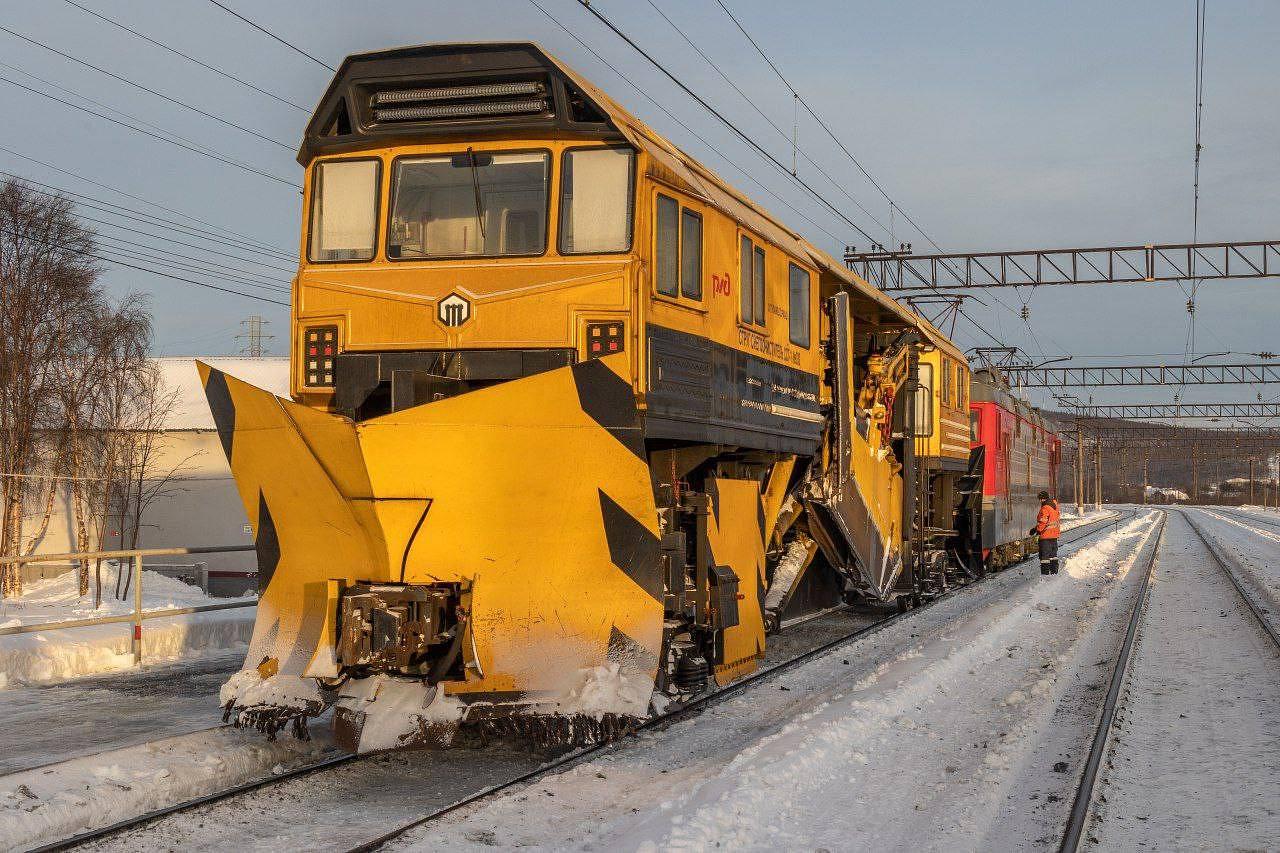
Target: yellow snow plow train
x,y
573,424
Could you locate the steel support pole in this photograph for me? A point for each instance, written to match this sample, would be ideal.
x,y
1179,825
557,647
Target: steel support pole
x,y
1079,470
1097,471
1195,477
137,610
1251,481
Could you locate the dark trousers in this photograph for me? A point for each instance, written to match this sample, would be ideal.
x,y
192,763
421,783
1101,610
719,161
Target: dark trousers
x,y
1048,556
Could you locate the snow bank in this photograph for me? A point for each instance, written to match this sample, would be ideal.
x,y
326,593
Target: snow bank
x,y
57,655
1166,493
54,802
1070,519
44,657
58,598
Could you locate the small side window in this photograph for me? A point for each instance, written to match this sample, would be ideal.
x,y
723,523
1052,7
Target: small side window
x,y
798,305
924,401
745,310
757,285
667,249
690,254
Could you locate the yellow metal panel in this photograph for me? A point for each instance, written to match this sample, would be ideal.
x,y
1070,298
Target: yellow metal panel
x,y
518,476
533,494
289,499
734,529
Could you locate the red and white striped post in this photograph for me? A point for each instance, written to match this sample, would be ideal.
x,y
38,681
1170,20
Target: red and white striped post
x,y
137,609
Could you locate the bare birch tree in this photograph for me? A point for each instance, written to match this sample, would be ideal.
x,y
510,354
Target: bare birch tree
x,y
47,276
75,378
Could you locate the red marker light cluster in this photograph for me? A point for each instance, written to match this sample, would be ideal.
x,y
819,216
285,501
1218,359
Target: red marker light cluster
x,y
321,345
604,339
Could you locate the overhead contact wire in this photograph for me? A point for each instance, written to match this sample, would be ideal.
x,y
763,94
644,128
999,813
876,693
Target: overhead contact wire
x,y
227,231
267,32
721,117
145,88
109,260
220,72
894,206
145,219
172,141
665,111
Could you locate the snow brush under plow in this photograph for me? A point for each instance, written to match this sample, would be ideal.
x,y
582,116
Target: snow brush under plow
x,y
486,563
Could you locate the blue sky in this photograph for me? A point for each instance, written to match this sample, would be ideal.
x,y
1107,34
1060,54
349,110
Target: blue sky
x,y
994,125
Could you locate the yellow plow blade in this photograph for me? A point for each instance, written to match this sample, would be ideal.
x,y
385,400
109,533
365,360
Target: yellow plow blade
x,y
533,495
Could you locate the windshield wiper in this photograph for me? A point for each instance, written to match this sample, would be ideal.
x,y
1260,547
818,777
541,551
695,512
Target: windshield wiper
x,y
475,188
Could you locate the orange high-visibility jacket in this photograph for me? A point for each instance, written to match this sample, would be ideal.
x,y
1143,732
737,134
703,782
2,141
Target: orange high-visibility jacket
x,y
1047,522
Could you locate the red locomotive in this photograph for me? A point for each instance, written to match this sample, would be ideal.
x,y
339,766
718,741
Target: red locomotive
x,y
1020,456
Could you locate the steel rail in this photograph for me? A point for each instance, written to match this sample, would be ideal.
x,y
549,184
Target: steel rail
x,y
1223,560
1084,793
154,815
1242,517
1071,535
695,706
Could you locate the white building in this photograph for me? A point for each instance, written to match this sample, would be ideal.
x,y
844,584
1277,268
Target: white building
x,y
199,504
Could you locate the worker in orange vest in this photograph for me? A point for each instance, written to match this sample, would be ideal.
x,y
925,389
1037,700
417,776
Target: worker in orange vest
x,y
1048,528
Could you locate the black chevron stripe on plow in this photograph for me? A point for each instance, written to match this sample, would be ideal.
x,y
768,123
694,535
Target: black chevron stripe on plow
x,y
609,401
632,548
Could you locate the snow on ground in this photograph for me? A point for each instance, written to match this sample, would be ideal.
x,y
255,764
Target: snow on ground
x,y
1254,543
54,802
43,657
1195,761
1090,514
919,746
112,710
58,598
335,809
1167,494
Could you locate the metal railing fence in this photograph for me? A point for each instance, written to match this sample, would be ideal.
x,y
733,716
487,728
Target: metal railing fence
x,y
138,615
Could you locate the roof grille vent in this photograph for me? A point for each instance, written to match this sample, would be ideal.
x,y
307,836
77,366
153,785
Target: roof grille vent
x,y
450,102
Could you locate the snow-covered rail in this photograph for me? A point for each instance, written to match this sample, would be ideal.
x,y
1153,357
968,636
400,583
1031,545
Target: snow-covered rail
x,y
1084,793
1225,562
1084,800
474,785
1195,746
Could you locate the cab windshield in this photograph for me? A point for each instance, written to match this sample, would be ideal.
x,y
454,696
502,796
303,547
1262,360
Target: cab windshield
x,y
471,204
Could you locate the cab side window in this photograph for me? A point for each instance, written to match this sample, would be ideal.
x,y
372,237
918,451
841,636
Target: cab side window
x,y
677,249
798,307
666,266
751,258
690,254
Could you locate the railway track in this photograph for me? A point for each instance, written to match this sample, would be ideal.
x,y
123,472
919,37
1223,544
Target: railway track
x,y
1071,536
690,709
1225,561
1081,806
1244,518
1088,779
